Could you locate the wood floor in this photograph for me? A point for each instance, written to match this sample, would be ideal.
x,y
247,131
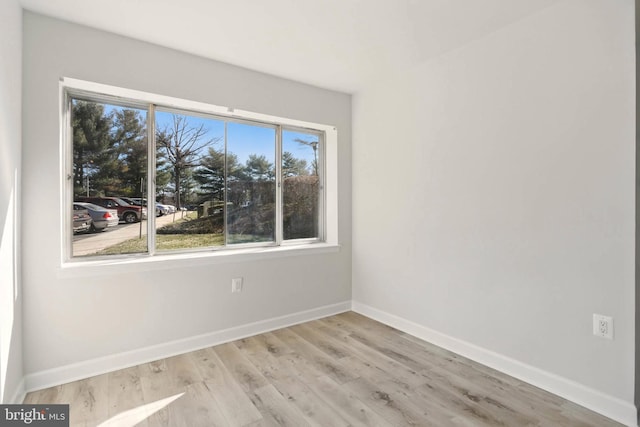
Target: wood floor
x,y
344,370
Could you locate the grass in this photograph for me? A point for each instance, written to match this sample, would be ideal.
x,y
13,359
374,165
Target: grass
x,y
165,242
189,215
187,233
184,241
191,224
175,240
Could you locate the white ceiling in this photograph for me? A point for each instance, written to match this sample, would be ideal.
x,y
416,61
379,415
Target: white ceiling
x,y
335,44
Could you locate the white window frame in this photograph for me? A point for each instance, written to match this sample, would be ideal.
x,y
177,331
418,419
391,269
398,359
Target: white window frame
x,y
328,207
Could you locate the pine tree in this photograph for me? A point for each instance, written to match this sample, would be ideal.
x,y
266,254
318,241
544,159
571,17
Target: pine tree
x,y
130,138
95,159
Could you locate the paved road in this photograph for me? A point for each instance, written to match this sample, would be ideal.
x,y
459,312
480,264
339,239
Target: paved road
x,y
90,243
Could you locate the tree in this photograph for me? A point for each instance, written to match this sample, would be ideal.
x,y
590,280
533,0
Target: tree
x,y
211,173
187,186
163,174
95,159
258,168
292,166
251,198
181,144
130,138
260,176
300,207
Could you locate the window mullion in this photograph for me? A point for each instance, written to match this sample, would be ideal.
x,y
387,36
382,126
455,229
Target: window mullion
x,y
151,179
68,196
279,185
225,208
322,219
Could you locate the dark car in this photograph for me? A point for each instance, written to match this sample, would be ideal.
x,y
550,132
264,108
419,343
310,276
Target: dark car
x,y
126,212
81,219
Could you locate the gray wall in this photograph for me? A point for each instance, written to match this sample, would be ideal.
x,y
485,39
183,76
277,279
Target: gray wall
x,y
82,315
505,217
10,209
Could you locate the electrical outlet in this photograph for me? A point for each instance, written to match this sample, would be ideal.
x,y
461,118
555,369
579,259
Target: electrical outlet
x,y
236,284
603,326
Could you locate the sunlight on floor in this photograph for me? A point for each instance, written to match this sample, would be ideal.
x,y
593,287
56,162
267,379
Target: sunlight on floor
x,y
135,415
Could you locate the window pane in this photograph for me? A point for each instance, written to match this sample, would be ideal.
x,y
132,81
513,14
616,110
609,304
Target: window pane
x,y
109,162
301,185
218,180
251,207
189,181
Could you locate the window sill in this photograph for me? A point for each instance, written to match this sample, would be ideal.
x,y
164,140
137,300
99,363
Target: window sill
x,y
137,263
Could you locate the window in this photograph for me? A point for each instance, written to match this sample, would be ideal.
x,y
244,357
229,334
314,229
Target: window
x,y
147,177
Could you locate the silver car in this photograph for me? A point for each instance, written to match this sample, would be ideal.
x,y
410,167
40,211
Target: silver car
x,y
101,217
164,209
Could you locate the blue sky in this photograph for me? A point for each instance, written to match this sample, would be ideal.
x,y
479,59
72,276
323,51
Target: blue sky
x,y
245,139
242,139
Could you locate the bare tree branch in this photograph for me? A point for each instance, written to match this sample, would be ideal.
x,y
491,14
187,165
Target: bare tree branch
x,y
182,144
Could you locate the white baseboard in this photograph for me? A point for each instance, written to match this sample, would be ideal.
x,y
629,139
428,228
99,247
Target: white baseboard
x,y
18,394
98,366
609,406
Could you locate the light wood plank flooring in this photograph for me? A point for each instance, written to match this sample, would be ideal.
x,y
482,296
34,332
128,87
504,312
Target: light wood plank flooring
x,y
344,370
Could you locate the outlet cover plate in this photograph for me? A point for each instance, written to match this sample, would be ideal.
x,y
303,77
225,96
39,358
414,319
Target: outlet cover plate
x,y
603,326
236,285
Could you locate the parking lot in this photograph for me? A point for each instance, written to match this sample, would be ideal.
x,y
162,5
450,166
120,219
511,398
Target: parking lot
x,y
90,243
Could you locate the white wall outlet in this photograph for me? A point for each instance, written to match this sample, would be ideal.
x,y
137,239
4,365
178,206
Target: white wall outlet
x,y
236,284
603,326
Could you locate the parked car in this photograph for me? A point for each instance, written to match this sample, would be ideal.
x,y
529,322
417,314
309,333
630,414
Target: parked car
x,y
101,217
81,219
126,212
138,201
129,200
164,209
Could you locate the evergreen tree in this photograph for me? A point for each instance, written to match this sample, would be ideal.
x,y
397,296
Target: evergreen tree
x,y
210,175
292,166
258,168
130,138
163,175
95,159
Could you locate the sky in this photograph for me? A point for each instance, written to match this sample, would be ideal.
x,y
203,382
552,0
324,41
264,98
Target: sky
x,y
242,139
